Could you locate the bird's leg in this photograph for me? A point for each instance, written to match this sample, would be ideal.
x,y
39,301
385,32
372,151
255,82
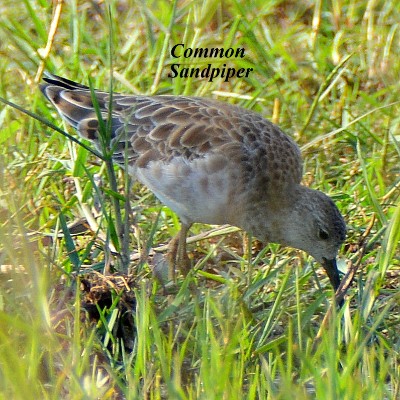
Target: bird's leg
x,y
177,255
171,256
183,262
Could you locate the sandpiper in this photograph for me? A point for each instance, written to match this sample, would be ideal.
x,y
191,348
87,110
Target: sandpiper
x,y
210,162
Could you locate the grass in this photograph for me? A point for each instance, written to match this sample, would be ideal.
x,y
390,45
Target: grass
x,y
328,74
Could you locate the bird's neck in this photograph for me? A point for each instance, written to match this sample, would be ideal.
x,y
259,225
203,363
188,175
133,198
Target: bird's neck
x,y
267,218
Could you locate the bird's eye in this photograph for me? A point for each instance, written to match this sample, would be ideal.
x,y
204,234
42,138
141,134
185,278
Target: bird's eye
x,y
323,235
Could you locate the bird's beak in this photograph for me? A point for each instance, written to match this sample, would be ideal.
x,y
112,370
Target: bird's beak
x,y
332,272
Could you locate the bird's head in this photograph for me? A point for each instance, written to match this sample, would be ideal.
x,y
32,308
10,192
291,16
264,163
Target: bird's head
x,y
315,225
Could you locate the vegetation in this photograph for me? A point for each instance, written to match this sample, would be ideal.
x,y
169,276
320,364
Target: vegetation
x,y
243,324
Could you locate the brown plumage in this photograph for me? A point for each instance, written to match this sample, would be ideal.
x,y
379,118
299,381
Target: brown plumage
x,y
210,162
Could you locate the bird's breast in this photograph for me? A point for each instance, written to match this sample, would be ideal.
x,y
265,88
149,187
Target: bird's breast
x,y
207,190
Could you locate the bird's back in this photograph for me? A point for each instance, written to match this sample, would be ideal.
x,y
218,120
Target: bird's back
x,y
179,144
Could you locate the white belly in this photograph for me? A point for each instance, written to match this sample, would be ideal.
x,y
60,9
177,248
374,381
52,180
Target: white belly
x,y
202,190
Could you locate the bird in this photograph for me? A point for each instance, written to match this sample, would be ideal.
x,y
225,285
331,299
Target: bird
x,y
210,162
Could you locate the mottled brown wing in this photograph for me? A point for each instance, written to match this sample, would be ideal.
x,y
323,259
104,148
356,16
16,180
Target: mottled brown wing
x,y
159,128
